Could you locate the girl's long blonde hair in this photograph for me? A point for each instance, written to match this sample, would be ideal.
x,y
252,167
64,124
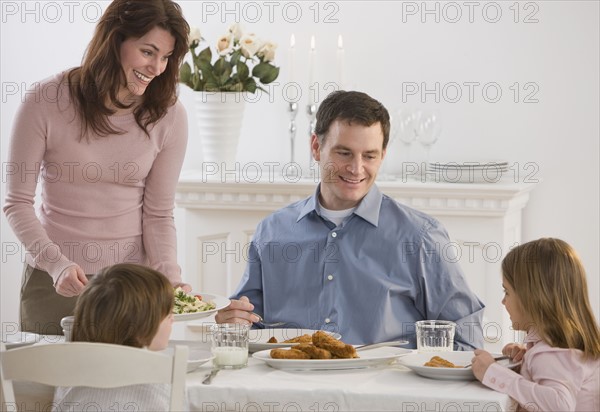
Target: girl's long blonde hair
x,y
550,282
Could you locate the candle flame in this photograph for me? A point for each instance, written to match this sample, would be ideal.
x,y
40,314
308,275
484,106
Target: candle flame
x,y
340,42
292,40
312,42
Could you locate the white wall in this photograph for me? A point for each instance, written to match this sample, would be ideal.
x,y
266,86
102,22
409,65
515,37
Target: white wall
x,y
389,48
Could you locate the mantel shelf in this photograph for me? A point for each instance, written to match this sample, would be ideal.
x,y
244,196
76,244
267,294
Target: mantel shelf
x,y
450,199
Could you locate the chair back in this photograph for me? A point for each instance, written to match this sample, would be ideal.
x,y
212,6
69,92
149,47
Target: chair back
x,y
97,365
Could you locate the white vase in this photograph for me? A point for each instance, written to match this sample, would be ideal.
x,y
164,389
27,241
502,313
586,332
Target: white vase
x,y
219,117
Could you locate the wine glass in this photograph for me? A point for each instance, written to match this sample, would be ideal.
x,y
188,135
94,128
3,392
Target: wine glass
x,y
429,128
405,130
385,174
406,125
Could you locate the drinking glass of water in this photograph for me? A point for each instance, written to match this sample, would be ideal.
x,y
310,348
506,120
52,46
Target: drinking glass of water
x,y
435,335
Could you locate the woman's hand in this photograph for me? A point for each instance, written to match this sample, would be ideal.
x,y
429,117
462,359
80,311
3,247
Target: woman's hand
x,y
481,362
186,287
71,282
238,311
514,351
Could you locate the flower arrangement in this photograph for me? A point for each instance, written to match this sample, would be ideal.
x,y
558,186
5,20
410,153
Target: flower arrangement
x,y
244,63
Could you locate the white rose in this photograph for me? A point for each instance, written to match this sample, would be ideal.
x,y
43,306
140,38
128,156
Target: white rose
x,y
249,44
267,51
225,44
195,36
236,30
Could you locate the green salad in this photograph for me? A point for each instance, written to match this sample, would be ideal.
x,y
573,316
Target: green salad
x,y
188,303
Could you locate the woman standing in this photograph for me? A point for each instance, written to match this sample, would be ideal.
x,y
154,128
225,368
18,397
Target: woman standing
x,y
107,141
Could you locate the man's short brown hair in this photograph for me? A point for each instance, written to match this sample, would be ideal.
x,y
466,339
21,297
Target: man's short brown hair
x,y
352,107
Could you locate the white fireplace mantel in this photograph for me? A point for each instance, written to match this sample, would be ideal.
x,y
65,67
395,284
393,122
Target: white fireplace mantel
x,y
448,199
219,217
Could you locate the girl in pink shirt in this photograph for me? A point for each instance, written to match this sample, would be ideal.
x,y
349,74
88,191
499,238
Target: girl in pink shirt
x,y
106,140
545,294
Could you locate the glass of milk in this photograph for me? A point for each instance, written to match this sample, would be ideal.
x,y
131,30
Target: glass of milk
x,y
435,335
230,345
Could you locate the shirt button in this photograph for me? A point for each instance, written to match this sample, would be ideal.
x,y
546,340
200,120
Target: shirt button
x,y
501,385
493,380
327,320
333,234
330,277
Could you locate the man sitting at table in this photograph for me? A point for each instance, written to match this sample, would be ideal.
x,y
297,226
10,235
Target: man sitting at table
x,y
350,259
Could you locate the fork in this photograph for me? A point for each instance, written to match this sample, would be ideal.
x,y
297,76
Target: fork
x,y
496,358
261,321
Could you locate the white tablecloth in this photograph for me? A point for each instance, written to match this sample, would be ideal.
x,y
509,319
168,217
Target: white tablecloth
x,y
259,387
262,388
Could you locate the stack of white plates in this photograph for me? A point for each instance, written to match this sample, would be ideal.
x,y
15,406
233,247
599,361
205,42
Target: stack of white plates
x,y
467,172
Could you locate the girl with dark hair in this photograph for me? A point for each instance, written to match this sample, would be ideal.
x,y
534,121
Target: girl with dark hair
x,y
107,141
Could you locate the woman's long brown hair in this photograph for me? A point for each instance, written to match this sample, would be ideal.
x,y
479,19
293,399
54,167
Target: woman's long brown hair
x,y
95,84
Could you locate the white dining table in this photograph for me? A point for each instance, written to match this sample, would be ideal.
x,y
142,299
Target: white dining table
x,y
260,387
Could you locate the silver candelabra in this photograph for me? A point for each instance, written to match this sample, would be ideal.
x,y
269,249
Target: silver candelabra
x,y
292,169
311,113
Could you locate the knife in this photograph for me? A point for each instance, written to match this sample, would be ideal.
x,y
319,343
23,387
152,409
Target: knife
x,y
380,344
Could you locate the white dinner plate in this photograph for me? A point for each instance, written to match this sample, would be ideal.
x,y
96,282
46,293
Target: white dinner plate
x,y
468,176
18,338
219,301
197,356
368,358
258,338
469,164
415,361
478,166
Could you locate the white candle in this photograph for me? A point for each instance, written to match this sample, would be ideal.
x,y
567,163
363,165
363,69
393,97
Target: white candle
x,y
340,62
292,58
312,55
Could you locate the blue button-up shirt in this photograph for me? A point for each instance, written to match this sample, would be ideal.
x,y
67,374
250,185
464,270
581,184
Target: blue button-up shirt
x,y
369,278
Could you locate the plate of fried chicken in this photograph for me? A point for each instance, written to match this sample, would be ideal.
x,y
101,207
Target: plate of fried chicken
x,y
325,352
446,365
267,339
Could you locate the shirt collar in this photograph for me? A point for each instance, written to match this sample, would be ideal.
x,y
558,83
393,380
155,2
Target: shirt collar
x,y
368,208
532,338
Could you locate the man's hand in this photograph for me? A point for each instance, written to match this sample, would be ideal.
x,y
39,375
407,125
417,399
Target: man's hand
x,y
239,311
481,362
71,282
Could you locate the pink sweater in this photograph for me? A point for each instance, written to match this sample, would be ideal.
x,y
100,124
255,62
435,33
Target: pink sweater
x,y
551,379
104,201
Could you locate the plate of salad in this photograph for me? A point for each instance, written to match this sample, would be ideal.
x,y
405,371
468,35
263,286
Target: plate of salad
x,y
190,306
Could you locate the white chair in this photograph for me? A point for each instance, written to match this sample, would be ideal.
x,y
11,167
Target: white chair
x,y
97,365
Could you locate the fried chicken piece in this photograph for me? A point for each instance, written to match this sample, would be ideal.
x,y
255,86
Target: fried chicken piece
x,y
437,362
288,354
337,348
314,352
300,339
273,339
